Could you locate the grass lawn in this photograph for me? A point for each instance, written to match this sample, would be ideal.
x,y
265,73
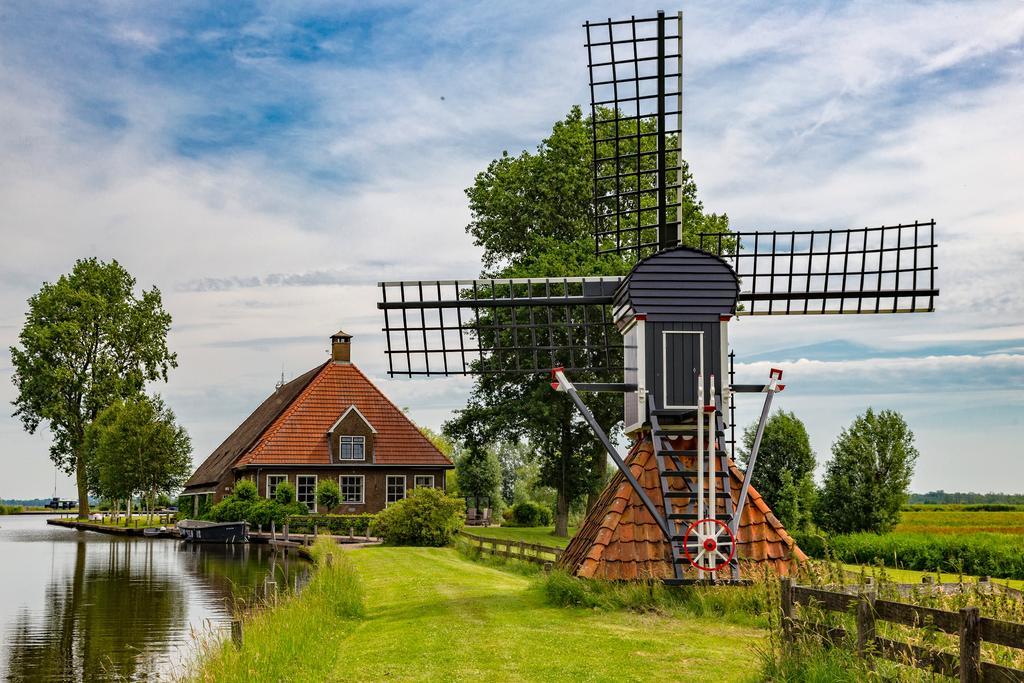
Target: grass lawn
x,y
432,614
541,535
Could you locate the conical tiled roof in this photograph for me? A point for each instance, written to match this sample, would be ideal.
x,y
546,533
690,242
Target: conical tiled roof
x,y
619,540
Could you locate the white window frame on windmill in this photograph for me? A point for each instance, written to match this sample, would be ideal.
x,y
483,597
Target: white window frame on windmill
x,y
664,367
637,328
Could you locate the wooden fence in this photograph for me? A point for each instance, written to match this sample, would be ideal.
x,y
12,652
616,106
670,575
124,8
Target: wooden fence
x,y
967,624
515,550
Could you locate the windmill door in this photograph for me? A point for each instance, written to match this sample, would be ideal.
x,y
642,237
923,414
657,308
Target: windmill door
x,y
682,362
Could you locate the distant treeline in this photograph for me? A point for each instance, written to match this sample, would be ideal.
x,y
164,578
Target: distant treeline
x,y
27,502
956,498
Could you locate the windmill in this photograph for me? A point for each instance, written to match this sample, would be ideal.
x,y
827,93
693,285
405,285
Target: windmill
x,y
658,335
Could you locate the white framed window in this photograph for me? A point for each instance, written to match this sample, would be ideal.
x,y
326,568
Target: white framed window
x,y
305,490
351,486
273,481
423,481
351,448
395,488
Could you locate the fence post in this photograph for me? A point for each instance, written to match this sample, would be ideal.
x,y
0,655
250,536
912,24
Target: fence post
x,y
970,645
351,533
273,530
236,633
865,623
786,601
286,531
522,550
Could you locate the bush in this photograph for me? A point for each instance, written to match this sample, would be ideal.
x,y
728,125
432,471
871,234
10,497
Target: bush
x,y
245,490
529,513
284,493
243,505
328,495
338,525
426,517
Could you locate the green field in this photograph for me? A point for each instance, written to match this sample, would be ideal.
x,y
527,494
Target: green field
x,y
959,521
431,614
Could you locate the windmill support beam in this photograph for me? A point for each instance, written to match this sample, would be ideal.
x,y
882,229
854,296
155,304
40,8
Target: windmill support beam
x,y
772,387
562,383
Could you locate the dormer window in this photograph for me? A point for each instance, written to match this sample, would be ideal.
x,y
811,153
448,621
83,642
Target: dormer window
x,y
351,448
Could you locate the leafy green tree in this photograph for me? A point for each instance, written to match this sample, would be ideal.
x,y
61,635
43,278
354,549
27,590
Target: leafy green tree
x,y
479,476
533,216
87,341
328,495
867,479
784,473
136,448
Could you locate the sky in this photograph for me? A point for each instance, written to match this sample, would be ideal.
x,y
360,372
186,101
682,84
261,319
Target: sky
x,y
264,164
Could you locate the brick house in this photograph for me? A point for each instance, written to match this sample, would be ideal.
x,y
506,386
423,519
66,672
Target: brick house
x,y
329,423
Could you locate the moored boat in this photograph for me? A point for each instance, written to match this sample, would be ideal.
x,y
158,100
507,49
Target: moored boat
x,y
199,531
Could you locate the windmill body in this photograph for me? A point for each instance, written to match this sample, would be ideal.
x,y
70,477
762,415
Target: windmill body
x,y
659,335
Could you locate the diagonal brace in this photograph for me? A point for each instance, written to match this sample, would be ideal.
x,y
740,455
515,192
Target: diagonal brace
x,y
770,390
562,383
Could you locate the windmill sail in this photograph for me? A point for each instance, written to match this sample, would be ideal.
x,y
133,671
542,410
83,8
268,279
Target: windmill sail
x,y
888,269
459,327
635,70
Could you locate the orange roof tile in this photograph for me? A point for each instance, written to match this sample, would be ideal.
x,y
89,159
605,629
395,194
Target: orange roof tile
x,y
619,540
299,434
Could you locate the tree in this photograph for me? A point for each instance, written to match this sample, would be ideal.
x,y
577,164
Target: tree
x,y
88,340
867,479
479,476
532,215
328,495
784,472
134,447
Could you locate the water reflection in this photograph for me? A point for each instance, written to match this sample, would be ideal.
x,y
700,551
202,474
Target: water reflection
x,y
79,606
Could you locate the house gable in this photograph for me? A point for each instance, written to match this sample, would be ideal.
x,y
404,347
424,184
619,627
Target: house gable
x,y
352,423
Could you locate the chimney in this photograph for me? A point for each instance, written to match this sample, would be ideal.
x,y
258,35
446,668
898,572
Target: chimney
x,y
341,347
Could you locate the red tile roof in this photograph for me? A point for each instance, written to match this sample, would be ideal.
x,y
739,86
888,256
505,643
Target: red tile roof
x,y
619,539
299,435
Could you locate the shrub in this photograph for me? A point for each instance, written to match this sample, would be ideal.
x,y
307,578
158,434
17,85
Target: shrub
x,y
245,490
338,525
426,517
243,505
285,493
529,513
328,495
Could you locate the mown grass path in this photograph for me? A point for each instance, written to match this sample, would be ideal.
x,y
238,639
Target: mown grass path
x,y
433,615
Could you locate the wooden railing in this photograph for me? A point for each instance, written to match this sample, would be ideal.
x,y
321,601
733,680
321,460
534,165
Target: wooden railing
x,y
967,624
515,550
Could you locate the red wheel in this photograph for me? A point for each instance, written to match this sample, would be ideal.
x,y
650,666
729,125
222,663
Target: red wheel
x,y
709,545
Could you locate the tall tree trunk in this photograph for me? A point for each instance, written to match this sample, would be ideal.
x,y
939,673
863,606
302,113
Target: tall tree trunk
x,y
561,514
83,487
600,470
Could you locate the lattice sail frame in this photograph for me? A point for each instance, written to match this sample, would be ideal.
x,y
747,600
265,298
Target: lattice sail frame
x,y
636,68
887,269
529,325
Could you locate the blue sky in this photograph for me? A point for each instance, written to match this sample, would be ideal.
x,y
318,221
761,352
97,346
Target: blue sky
x,y
265,164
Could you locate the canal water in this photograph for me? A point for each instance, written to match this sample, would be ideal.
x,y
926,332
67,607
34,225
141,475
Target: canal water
x,y
82,606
